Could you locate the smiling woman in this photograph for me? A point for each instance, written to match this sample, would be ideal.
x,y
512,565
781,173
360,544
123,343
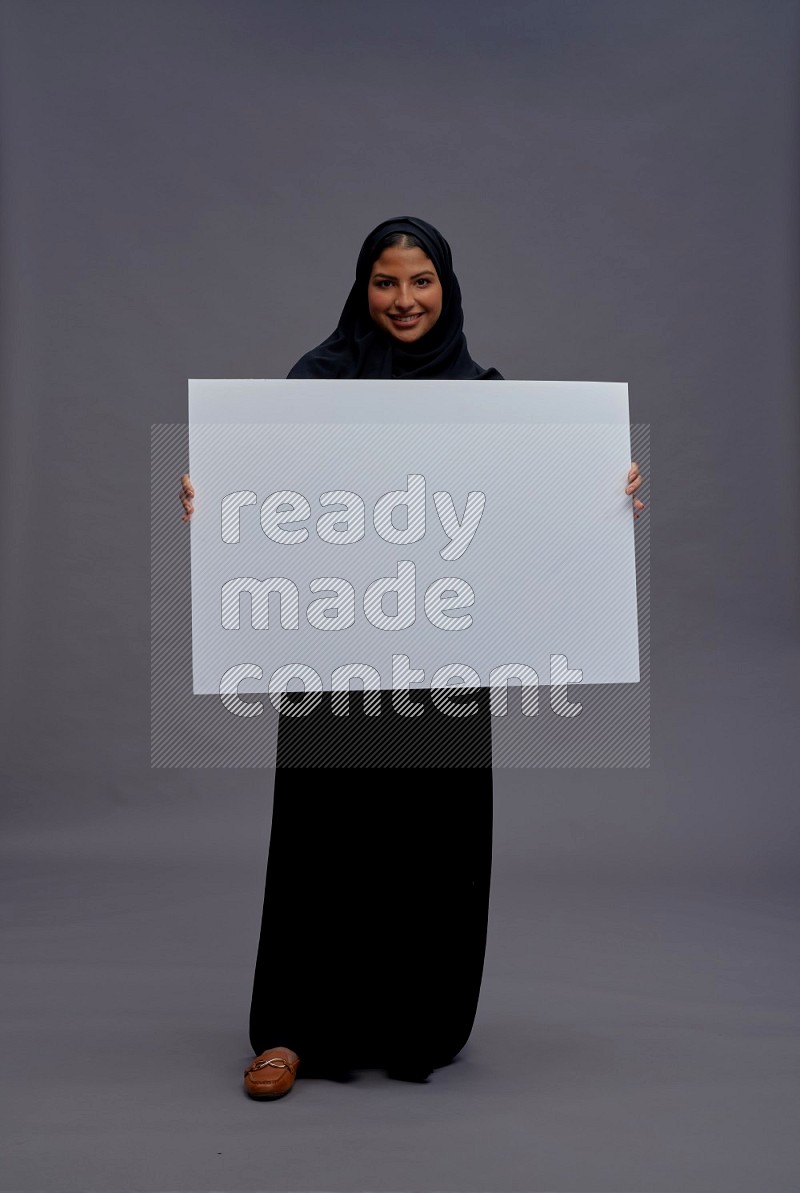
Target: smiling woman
x,y
403,315
405,294
377,888
376,899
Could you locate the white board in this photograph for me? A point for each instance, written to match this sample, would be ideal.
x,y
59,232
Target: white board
x,y
543,572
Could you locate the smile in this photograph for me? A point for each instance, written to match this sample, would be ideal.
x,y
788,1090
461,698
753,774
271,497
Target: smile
x,y
406,319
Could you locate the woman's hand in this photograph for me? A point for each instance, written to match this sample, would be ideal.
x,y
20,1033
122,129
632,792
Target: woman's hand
x,y
634,481
186,495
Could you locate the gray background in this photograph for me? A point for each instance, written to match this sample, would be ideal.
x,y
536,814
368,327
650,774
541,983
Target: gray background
x,y
184,190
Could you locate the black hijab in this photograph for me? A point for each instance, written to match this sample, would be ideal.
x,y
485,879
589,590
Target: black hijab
x,y
359,348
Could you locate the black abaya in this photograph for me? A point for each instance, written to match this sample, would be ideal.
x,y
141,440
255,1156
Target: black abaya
x,y
377,891
376,900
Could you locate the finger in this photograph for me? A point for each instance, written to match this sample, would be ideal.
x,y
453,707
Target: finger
x,y
186,482
638,505
634,471
634,485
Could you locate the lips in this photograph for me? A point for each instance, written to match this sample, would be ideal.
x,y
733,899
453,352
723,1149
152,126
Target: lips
x,y
406,320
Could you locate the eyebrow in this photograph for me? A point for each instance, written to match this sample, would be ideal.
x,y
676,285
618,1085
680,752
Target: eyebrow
x,y
422,273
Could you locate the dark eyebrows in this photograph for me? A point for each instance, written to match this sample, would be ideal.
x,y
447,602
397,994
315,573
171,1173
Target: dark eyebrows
x,y
422,273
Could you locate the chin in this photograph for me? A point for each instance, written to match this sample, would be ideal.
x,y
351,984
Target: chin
x,y
407,339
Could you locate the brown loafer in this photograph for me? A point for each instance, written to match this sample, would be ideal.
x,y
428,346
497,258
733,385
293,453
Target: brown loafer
x,y
272,1074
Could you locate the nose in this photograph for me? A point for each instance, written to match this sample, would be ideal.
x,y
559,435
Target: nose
x,y
405,300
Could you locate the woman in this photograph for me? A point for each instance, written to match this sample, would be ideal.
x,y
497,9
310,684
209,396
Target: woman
x,y
377,890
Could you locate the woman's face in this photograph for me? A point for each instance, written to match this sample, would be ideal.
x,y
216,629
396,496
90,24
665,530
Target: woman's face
x,y
405,294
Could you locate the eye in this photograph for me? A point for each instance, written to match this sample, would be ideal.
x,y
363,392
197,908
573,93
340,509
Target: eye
x,y
382,283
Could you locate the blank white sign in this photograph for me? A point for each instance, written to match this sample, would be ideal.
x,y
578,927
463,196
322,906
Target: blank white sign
x,y
438,530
